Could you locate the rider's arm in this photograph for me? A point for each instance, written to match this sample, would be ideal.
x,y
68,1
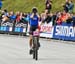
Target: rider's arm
x,y
37,15
32,15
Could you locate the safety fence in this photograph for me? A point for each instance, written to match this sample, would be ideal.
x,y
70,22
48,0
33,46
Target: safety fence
x,y
13,28
63,32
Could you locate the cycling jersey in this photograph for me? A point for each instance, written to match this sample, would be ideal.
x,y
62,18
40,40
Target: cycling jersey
x,y
34,21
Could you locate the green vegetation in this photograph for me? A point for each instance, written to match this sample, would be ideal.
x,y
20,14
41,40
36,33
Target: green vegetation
x,y
26,5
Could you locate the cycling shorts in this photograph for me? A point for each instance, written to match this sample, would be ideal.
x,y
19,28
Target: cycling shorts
x,y
32,29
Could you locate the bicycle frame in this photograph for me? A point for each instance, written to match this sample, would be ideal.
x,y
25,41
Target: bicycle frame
x,y
35,46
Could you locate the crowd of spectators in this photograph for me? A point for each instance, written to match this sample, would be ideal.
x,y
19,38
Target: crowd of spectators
x,y
12,17
68,6
1,4
57,18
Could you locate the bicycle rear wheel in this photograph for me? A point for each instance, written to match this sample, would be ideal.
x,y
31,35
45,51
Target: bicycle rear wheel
x,y
35,48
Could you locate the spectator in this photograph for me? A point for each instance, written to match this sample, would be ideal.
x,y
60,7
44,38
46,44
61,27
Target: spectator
x,y
54,18
28,16
58,19
4,19
69,19
64,16
48,18
1,4
73,19
4,12
12,16
18,17
71,6
23,19
43,16
48,4
66,6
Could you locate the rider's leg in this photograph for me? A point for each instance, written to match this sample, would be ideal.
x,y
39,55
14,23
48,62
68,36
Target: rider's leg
x,y
30,36
38,41
31,45
38,38
30,41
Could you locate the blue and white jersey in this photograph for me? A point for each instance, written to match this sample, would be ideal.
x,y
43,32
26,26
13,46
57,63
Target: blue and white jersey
x,y
34,21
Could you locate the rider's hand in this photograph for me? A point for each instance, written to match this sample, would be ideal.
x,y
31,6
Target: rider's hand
x,y
32,15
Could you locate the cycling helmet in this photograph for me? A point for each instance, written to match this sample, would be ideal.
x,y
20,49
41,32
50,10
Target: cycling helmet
x,y
34,10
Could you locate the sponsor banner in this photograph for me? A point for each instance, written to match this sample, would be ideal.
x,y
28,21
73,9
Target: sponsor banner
x,y
47,30
6,27
20,27
7,24
64,32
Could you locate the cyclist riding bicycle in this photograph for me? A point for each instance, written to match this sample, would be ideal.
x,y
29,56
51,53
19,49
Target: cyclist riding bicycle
x,y
34,22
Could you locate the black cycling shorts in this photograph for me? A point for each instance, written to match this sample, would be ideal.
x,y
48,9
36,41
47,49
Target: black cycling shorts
x,y
32,29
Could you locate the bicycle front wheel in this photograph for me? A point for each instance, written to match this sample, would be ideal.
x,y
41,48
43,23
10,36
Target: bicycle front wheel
x,y
35,54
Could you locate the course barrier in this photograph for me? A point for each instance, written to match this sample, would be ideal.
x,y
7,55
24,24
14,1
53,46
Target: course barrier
x,y
64,32
13,28
47,30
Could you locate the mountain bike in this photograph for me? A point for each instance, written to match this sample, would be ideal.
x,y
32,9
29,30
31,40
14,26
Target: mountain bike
x,y
35,41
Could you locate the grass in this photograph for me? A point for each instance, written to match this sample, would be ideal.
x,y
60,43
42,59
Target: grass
x,y
26,5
